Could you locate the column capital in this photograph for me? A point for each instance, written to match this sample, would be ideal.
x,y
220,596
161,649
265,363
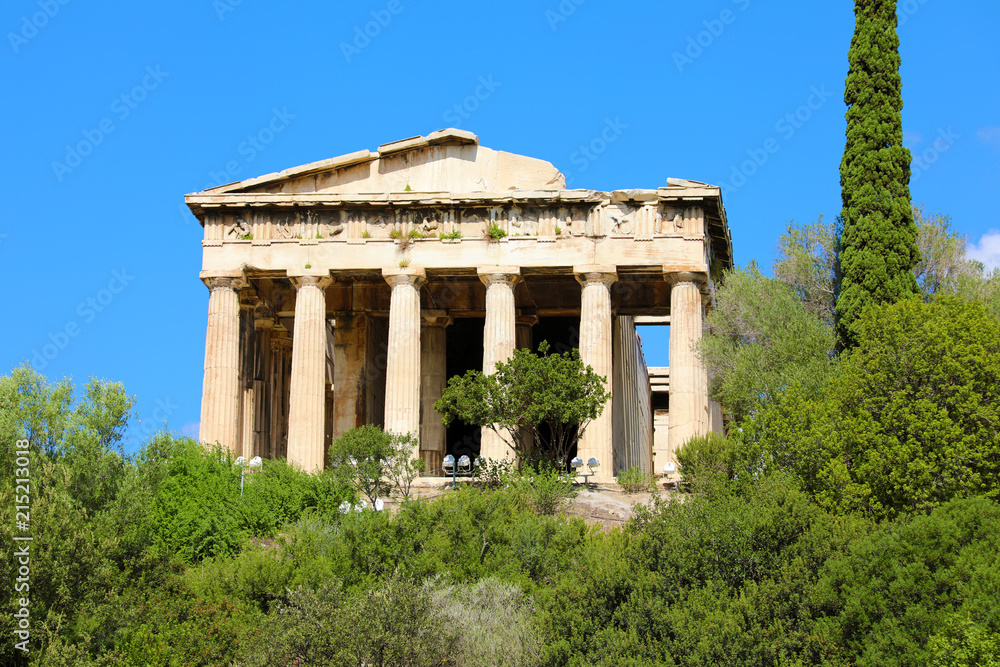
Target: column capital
x,y
405,275
436,318
234,280
588,274
300,279
696,278
499,275
263,317
526,319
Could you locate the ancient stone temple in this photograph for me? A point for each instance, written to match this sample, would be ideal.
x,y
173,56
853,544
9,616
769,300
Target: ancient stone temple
x,y
347,291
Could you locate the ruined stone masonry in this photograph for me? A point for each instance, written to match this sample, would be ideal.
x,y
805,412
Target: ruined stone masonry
x,y
347,291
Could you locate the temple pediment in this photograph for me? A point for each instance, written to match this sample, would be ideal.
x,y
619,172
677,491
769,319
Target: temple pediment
x,y
449,160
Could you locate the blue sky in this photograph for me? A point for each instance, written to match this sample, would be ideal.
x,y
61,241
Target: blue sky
x,y
115,110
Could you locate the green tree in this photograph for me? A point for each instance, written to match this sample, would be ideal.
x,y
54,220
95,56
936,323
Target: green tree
x,y
555,396
878,238
379,461
806,262
761,340
910,421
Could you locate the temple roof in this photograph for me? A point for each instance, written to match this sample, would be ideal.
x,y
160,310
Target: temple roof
x,y
449,160
445,167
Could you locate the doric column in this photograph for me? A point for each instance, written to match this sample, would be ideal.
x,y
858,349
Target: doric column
x,y
499,338
307,390
523,337
264,325
688,380
525,341
596,351
350,336
434,367
281,352
221,397
402,381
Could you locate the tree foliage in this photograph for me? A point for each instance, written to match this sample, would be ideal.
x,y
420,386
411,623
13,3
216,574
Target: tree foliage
x,y
806,262
761,340
555,396
911,421
878,240
378,462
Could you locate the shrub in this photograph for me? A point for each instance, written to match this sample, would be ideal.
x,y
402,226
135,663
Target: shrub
x,y
636,480
707,457
492,622
545,492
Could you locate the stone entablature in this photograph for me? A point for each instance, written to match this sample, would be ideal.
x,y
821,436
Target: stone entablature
x,y
430,223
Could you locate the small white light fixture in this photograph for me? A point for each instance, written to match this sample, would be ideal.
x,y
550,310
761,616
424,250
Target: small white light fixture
x,y
449,463
576,463
240,461
593,464
464,464
669,468
256,462
379,505
480,463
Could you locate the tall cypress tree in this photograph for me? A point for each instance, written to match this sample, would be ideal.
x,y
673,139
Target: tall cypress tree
x,y
878,239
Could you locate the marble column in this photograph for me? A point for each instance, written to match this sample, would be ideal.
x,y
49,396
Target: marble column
x,y
264,325
350,335
402,382
499,339
221,396
689,415
434,367
525,341
596,321
307,389
523,335
281,352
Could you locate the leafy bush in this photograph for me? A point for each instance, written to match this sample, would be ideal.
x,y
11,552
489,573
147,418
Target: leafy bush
x,y
546,492
908,423
377,461
636,480
494,473
706,458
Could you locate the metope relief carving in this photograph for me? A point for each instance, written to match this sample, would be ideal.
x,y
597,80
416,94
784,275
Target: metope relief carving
x,y
238,230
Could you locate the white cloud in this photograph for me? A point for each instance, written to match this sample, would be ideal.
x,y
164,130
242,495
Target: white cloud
x,y
987,250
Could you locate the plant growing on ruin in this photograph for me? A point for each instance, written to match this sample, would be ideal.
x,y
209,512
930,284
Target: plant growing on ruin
x,y
555,396
308,266
558,231
403,263
495,232
415,234
395,234
451,235
246,237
